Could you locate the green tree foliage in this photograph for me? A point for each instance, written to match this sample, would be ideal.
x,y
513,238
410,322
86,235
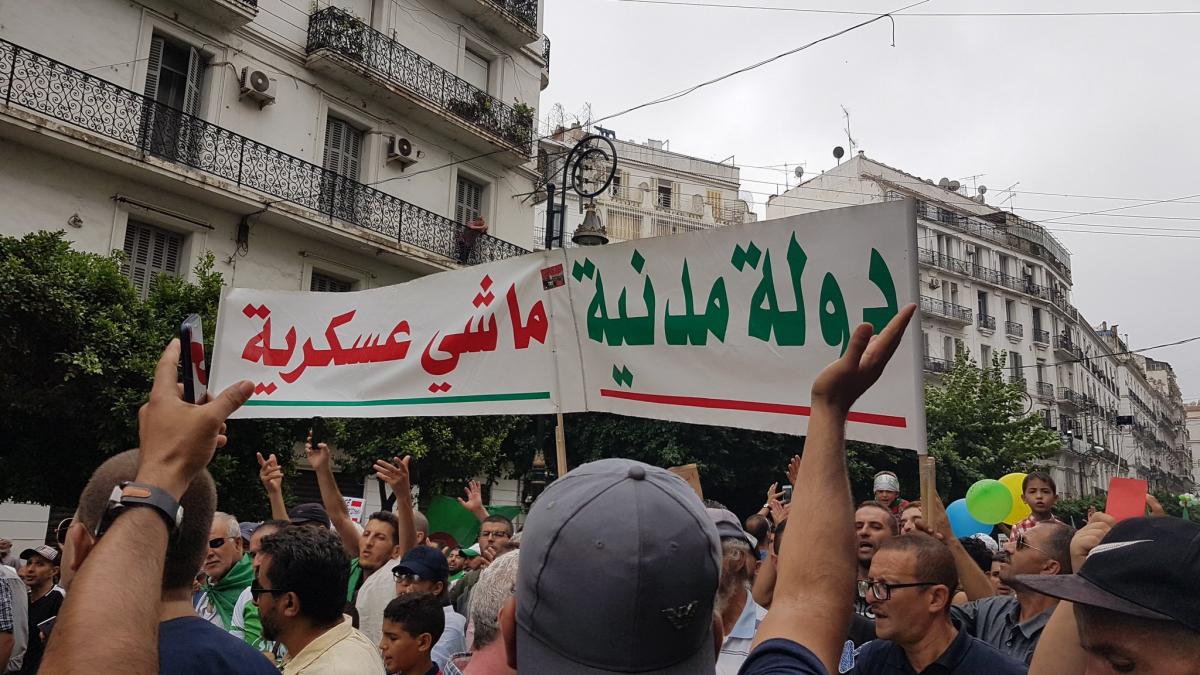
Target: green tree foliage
x,y
978,427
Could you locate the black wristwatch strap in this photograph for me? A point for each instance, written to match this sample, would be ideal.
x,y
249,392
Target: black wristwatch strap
x,y
129,494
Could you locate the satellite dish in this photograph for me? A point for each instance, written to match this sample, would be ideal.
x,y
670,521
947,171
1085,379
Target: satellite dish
x,y
944,183
838,152
983,189
954,185
799,172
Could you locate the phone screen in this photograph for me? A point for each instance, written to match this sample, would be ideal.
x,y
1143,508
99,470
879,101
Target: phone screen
x,y
195,372
317,431
787,494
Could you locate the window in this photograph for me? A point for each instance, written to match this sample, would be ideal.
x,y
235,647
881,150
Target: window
x,y
149,252
983,303
476,70
714,200
174,74
925,343
948,348
1010,311
664,194
1037,319
1014,364
953,293
343,151
623,225
985,356
325,283
468,201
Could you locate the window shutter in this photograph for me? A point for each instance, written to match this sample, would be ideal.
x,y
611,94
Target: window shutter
x,y
154,63
333,144
191,93
353,151
149,252
323,283
468,202
343,148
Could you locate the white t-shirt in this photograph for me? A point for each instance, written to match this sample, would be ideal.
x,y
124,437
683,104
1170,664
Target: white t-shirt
x,y
373,596
453,640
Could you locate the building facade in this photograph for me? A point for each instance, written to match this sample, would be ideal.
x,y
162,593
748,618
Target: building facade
x,y
997,288
1193,430
655,192
327,146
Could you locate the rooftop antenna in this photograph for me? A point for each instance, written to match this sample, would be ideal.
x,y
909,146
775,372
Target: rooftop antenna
x,y
1011,194
850,142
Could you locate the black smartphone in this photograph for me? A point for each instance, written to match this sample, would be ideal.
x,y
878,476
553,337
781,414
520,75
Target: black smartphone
x,y
317,431
191,359
787,495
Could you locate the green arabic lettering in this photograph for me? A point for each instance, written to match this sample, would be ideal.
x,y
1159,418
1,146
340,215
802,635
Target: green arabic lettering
x,y
765,316
835,323
690,328
598,324
881,276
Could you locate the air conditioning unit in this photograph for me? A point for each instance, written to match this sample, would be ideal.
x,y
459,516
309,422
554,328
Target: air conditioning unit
x,y
401,149
970,248
1026,271
256,85
935,283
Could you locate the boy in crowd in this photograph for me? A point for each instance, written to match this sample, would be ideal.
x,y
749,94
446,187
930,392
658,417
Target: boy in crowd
x,y
412,625
1040,493
45,598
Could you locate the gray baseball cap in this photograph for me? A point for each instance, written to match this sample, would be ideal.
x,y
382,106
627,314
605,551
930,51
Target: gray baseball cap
x,y
619,569
729,526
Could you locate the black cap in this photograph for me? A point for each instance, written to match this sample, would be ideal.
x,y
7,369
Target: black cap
x,y
426,562
308,513
1145,567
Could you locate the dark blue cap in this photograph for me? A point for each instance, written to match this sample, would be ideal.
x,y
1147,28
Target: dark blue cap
x,y
425,562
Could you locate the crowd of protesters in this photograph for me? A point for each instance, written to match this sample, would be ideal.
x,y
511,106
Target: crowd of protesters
x,y
619,568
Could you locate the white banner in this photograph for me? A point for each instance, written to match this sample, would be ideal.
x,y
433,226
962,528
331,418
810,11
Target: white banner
x,y
725,327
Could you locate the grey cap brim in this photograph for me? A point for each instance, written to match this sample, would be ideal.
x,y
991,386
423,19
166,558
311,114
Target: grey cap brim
x,y
533,656
1076,589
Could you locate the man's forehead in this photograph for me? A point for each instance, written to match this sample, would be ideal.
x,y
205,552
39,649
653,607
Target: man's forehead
x,y
893,563
494,527
872,514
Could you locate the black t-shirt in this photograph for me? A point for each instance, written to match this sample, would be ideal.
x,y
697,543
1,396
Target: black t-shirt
x,y
192,646
41,609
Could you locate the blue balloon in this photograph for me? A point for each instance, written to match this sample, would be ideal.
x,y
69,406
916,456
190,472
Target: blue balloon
x,y
962,522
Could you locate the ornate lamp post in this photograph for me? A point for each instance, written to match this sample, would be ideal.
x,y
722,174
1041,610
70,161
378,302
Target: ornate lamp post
x,y
588,170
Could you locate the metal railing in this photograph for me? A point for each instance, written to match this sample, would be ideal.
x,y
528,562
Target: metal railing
x,y
935,365
1012,234
977,271
1045,390
1014,329
524,11
1041,336
41,84
337,30
546,51
1065,394
987,322
945,309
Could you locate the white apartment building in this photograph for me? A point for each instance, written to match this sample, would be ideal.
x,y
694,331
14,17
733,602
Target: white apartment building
x,y
319,145
996,285
1193,431
655,192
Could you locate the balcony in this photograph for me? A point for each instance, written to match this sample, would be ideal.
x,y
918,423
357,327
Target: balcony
x,y
1041,337
1064,344
938,366
1067,397
515,21
1018,381
545,61
1013,233
987,322
151,130
1014,329
1045,391
339,43
943,261
946,310
224,12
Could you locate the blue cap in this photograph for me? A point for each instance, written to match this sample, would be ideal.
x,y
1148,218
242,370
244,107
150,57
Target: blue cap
x,y
425,562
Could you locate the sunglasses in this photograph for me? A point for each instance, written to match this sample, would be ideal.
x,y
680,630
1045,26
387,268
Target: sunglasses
x,y
406,577
218,542
1022,542
257,590
60,532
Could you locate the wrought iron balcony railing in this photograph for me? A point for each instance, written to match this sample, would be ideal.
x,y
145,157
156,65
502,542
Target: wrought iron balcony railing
x,y
524,10
1014,329
1068,396
335,29
987,322
1041,336
546,50
46,86
934,365
945,309
1045,390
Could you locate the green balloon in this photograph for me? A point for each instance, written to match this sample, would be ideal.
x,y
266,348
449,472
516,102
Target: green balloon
x,y
989,501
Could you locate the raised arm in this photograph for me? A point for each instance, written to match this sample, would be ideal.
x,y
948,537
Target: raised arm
x,y
474,500
331,496
974,582
116,593
395,474
815,586
271,475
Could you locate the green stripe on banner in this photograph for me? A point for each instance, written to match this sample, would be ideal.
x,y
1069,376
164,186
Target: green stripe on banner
x,y
423,400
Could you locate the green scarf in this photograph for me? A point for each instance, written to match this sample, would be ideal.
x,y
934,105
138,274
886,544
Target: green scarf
x,y
356,573
224,596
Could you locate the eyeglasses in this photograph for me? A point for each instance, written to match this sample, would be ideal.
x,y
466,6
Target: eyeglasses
x,y
218,542
60,532
496,534
406,577
883,590
1023,542
256,591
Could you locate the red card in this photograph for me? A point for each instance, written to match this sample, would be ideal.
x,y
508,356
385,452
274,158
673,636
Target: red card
x,y
1126,498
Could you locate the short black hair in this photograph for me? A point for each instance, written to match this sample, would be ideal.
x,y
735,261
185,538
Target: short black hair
x,y
895,524
1057,544
391,519
497,518
187,547
311,563
1038,475
979,552
933,559
758,527
417,613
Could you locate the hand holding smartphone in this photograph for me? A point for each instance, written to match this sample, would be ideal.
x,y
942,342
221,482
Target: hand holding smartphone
x,y
191,359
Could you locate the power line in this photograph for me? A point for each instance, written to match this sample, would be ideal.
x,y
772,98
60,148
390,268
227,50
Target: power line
x,y
804,10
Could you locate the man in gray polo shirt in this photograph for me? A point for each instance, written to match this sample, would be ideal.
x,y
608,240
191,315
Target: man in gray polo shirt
x,y
1013,623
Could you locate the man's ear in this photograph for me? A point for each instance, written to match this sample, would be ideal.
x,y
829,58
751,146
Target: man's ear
x,y
508,629
939,598
1051,567
425,642
81,543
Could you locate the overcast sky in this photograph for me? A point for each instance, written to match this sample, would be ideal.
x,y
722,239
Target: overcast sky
x,y
1080,105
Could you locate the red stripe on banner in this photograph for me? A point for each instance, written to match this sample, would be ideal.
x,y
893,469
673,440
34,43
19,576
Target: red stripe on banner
x,y
751,406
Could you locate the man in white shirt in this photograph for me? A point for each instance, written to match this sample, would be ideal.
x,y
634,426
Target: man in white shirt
x,y
425,570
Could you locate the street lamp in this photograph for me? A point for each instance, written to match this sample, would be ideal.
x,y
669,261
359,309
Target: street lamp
x,y
536,479
592,158
591,231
